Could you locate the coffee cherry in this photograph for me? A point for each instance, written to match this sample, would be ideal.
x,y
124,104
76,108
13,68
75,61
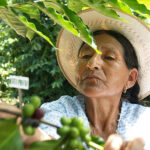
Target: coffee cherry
x,y
65,121
73,143
80,145
87,138
38,114
76,136
64,130
77,122
28,130
74,132
28,110
36,101
84,130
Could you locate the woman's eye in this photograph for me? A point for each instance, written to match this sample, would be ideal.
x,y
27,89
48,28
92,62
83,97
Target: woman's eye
x,y
86,56
109,58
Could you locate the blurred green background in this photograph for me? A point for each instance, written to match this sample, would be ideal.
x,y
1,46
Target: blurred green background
x,y
34,59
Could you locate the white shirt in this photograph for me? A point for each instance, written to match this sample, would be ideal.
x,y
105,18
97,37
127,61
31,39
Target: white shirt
x,y
134,119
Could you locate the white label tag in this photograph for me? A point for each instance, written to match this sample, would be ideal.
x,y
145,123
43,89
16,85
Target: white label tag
x,y
19,82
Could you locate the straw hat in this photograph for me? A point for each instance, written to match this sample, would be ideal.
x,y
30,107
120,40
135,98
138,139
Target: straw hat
x,y
135,31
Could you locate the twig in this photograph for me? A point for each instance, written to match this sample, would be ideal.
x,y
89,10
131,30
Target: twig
x,y
48,123
10,112
20,98
94,145
19,114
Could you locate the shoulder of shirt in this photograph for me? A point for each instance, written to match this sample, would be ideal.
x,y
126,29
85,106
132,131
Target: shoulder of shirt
x,y
133,115
138,108
63,101
134,121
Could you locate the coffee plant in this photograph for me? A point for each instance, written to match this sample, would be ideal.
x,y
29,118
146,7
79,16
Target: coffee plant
x,y
73,134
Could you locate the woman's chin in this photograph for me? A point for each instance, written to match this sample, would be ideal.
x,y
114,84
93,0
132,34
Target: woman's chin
x,y
91,92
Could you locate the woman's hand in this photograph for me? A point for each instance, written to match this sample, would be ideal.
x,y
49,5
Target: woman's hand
x,y
39,134
9,108
116,142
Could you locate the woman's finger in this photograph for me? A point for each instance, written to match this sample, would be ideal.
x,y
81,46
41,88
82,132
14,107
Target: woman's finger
x,y
9,108
135,144
114,142
38,136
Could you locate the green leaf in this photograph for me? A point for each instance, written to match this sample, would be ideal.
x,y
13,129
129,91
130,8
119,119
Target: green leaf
x,y
3,2
57,17
45,145
76,6
10,138
134,4
30,10
75,25
52,4
85,33
21,25
13,21
33,30
120,6
145,2
99,6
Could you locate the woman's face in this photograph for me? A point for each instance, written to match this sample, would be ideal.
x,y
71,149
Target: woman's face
x,y
102,75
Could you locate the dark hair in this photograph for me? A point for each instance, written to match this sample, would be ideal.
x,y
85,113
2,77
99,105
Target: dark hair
x,y
130,60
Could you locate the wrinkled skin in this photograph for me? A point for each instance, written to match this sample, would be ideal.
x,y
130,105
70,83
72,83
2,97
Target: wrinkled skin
x,y
110,71
102,79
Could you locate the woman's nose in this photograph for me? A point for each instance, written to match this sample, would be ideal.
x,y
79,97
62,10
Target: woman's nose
x,y
95,62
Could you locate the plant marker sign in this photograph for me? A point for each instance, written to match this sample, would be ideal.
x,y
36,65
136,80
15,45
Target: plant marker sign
x,y
19,82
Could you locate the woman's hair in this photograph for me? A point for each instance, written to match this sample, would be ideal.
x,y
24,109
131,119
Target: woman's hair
x,y
130,60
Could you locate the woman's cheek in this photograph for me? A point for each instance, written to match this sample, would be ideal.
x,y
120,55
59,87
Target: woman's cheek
x,y
79,73
77,76
81,67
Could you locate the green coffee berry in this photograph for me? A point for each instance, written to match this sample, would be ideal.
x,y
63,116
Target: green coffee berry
x,y
36,101
77,122
28,110
74,132
64,130
65,121
28,130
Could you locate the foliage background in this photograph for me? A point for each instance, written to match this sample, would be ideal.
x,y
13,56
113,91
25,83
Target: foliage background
x,y
34,59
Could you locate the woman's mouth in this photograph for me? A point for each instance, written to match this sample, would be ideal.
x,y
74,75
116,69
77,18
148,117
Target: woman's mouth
x,y
91,77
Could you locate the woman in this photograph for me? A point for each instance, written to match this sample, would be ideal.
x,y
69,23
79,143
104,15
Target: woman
x,y
110,82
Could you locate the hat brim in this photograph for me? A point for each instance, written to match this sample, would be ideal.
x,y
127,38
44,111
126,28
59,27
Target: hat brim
x,y
134,30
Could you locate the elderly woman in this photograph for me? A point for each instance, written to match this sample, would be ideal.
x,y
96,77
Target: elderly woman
x,y
110,84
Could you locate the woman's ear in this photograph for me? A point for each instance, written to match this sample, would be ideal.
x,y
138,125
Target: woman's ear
x,y
133,75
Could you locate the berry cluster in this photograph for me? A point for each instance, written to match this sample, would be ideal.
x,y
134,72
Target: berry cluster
x,y
31,115
76,136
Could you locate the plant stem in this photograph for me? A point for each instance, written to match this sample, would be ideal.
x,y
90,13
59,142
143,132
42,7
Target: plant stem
x,y
48,123
94,145
19,114
20,98
10,112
